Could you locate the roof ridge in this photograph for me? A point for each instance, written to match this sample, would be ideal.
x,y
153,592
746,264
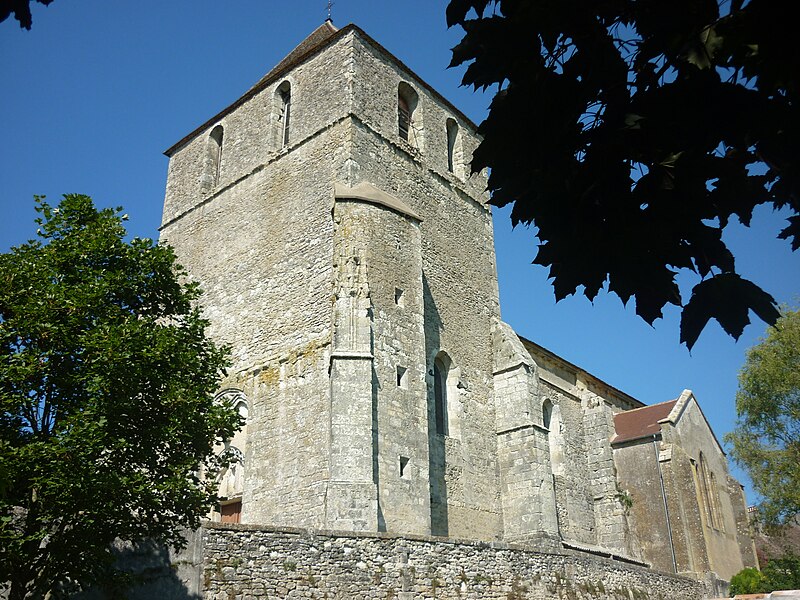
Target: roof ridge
x,y
328,35
629,425
308,44
649,406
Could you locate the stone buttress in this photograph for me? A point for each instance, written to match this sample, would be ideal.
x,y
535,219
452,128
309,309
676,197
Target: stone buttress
x,y
379,444
523,451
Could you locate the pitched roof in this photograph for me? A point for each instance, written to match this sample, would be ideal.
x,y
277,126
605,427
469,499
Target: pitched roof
x,y
314,39
321,37
640,422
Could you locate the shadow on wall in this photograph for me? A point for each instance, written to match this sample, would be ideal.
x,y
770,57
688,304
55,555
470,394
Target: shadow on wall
x,y
159,572
436,453
375,471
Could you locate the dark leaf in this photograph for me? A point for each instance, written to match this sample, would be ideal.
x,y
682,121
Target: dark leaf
x,y
21,11
629,133
727,298
792,231
457,10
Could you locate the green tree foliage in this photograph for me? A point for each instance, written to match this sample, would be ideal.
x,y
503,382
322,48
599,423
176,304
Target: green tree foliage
x,y
106,400
21,9
748,581
766,440
630,132
778,574
783,573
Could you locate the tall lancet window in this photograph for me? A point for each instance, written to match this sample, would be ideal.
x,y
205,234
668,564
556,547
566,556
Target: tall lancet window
x,y
452,137
409,126
440,395
403,117
709,494
284,112
214,161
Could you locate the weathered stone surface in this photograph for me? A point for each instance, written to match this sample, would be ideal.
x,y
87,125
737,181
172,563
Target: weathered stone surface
x,y
347,257
278,563
687,514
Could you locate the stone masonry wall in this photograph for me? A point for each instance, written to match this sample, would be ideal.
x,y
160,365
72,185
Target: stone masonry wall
x,y
698,543
375,86
572,480
251,563
598,423
709,544
260,240
389,247
321,95
261,246
638,471
523,449
458,278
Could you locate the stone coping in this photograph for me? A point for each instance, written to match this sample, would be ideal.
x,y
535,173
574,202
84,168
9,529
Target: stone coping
x,y
603,552
310,532
368,192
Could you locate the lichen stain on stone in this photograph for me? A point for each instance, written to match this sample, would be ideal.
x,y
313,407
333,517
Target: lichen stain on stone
x,y
269,375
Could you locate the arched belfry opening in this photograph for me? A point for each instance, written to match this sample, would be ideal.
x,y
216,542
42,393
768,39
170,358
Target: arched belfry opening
x,y
409,118
283,100
455,159
214,156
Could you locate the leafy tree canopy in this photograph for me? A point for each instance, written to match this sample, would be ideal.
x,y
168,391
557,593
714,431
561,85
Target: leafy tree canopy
x,y
21,9
748,581
766,440
630,132
778,574
106,400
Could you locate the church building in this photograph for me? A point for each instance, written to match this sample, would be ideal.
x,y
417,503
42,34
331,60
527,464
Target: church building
x,y
347,258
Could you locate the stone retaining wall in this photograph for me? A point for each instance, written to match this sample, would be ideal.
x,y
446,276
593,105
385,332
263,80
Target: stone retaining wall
x,y
246,562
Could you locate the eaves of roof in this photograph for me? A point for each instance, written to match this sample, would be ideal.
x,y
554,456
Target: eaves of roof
x,y
550,354
640,423
317,41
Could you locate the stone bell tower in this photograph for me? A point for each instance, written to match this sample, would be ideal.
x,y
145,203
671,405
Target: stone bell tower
x,y
347,258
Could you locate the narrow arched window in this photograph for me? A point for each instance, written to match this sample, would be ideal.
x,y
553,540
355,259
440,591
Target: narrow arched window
x,y
716,508
284,93
214,159
707,492
440,395
452,138
403,117
241,408
408,123
547,413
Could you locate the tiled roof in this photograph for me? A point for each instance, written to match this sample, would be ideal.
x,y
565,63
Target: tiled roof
x,y
640,422
314,39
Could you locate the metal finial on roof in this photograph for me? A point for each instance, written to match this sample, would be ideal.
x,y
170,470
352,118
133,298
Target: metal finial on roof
x,y
330,6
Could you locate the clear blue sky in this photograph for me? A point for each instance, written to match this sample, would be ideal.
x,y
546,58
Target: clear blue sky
x,y
94,94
